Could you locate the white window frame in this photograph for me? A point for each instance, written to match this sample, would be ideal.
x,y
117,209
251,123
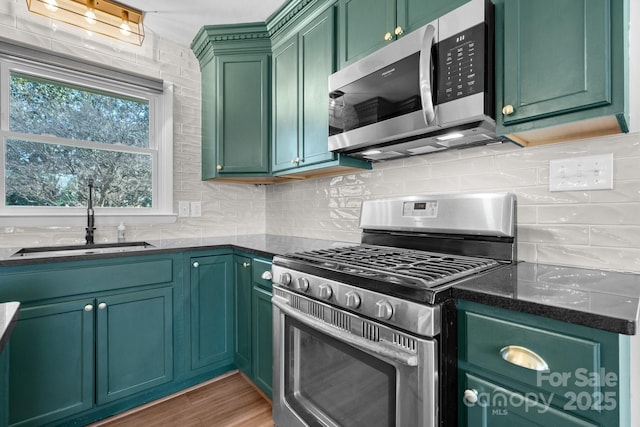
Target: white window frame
x,y
160,148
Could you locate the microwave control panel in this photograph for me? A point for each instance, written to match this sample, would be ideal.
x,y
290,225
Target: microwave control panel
x,y
461,64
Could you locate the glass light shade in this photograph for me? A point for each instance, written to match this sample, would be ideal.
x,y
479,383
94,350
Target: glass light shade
x,y
109,18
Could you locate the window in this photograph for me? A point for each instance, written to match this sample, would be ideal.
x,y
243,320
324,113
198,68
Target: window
x,y
60,128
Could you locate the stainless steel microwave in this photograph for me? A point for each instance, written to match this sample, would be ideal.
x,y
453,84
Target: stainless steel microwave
x,y
429,91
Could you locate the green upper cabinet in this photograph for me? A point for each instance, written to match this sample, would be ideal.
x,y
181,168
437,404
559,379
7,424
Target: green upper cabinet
x,y
242,114
367,25
301,68
235,66
302,63
574,90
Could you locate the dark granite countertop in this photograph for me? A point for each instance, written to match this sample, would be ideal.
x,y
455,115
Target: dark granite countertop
x,y
595,298
266,245
598,299
8,317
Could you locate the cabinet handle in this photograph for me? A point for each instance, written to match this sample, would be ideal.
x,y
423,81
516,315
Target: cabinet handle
x,y
246,264
196,264
296,160
88,307
523,357
219,167
470,396
102,305
388,37
507,110
267,275
398,31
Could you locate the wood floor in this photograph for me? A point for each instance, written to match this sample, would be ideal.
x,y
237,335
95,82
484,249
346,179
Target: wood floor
x,y
230,401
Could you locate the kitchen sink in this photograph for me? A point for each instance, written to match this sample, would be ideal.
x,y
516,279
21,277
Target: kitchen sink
x,y
98,248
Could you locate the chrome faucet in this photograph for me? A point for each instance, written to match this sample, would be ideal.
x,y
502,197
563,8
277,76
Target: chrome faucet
x,y
90,216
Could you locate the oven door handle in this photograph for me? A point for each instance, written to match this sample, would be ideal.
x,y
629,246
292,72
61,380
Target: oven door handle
x,y
363,344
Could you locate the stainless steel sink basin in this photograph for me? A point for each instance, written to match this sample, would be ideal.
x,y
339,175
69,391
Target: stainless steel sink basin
x,y
99,248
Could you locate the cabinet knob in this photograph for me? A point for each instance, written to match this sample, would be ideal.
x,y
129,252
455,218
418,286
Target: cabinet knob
x,y
246,264
296,160
398,31
219,167
388,37
507,109
102,305
267,275
196,264
88,307
470,396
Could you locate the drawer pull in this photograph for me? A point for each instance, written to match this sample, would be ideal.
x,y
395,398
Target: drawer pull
x,y
522,356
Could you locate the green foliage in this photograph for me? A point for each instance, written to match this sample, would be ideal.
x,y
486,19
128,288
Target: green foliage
x,y
46,174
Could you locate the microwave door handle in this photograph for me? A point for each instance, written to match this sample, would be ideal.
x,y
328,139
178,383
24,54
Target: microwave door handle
x,y
360,343
426,89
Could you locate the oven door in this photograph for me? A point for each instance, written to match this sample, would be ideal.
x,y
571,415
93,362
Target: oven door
x,y
333,368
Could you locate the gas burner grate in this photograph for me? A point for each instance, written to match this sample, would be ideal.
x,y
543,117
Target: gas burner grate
x,y
407,267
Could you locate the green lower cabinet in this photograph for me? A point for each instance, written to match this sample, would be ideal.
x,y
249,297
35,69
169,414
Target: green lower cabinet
x,y
253,334
262,353
497,406
517,369
4,386
242,314
211,305
133,359
52,362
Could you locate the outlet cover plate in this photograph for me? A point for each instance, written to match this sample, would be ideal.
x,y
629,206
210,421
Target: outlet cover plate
x,y
183,208
581,173
196,209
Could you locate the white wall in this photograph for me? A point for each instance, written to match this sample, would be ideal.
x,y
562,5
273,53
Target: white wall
x,y
226,209
598,229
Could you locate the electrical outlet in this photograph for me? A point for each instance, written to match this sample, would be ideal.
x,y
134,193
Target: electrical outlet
x,y
581,173
183,208
196,209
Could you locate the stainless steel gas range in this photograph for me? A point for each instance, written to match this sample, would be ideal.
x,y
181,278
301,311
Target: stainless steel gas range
x,y
364,335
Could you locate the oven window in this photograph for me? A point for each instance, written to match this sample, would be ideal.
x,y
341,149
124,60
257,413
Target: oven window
x,y
328,380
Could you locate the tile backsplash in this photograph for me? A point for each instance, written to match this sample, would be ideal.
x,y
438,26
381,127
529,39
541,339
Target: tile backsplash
x,y
599,229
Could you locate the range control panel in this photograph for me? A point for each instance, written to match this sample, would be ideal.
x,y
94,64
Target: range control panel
x,y
461,64
427,209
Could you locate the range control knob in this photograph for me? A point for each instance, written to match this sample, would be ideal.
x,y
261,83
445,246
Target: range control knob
x,y
384,310
285,278
325,291
352,299
302,284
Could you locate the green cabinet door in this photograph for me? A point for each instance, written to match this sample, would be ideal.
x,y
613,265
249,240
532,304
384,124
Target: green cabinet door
x,y
4,387
242,314
52,362
262,339
575,74
134,342
242,132
284,144
316,46
363,25
413,14
497,406
211,311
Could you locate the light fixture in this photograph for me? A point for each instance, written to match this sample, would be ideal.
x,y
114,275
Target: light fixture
x,y
105,17
450,136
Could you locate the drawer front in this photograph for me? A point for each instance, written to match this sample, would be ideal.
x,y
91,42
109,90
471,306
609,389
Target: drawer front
x,y
261,266
497,406
574,364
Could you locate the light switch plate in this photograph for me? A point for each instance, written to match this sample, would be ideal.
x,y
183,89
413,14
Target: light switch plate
x,y
581,173
196,209
183,208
